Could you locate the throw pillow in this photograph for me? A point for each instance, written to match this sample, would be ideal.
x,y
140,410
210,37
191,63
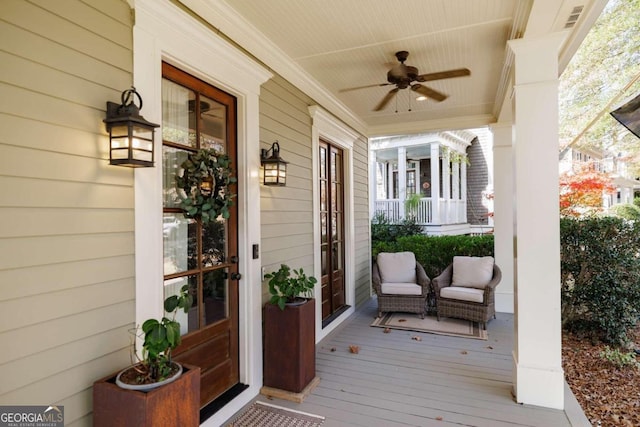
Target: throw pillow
x,y
472,272
399,267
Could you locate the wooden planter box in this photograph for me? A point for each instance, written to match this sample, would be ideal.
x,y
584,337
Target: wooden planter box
x,y
289,346
174,404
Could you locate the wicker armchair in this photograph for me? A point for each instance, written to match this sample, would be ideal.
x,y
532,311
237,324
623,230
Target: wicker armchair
x,y
406,292
471,303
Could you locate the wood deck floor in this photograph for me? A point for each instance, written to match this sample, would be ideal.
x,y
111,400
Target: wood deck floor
x,y
438,381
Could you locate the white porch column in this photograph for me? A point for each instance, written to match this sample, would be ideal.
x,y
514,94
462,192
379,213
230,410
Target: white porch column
x,y
503,212
446,175
539,378
445,217
455,193
402,178
389,178
455,174
463,187
435,183
373,179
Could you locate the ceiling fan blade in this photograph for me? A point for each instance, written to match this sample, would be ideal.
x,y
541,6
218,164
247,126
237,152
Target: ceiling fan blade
x,y
349,89
388,97
460,72
428,92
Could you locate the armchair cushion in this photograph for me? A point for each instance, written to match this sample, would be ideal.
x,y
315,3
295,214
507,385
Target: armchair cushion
x,y
392,288
472,272
462,293
399,267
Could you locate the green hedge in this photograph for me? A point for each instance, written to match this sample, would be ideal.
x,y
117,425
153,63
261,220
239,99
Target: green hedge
x,y
435,253
600,261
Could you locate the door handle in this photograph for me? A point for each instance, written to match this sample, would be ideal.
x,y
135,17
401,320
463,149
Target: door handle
x,y
236,276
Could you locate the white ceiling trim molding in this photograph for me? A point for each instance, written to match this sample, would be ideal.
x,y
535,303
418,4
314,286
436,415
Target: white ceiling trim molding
x,y
592,11
331,127
455,123
523,9
228,21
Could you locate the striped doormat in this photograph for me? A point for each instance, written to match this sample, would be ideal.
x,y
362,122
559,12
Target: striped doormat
x,y
262,414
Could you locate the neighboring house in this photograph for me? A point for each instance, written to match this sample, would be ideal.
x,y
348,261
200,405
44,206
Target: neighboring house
x,y
455,191
624,182
89,250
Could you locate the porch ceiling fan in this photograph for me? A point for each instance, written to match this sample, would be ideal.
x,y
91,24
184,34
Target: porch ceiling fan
x,y
403,76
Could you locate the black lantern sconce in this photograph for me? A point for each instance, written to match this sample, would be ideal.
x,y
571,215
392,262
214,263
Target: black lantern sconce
x,y
130,135
275,168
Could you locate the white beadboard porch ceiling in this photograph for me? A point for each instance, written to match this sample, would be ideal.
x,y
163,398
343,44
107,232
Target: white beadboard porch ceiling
x,y
324,46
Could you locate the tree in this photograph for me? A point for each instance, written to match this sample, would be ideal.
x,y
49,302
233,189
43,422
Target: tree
x,y
581,190
607,61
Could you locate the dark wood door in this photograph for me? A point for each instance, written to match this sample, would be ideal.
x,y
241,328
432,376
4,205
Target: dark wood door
x,y
331,170
196,115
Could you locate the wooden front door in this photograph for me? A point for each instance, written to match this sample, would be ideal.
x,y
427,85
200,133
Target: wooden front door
x,y
331,170
196,115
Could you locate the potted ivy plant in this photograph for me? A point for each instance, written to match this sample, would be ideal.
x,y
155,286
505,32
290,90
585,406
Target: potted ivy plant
x,y
156,367
155,390
286,289
289,333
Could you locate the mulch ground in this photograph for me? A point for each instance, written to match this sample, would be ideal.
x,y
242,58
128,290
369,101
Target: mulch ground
x,y
609,396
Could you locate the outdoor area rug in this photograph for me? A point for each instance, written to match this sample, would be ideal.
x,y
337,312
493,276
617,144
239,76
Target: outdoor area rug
x,y
430,324
262,414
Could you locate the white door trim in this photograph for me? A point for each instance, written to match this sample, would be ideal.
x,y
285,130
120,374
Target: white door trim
x,y
327,127
164,32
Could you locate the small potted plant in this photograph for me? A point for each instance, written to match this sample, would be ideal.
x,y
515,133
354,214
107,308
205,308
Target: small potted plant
x,y
160,337
289,336
155,390
287,290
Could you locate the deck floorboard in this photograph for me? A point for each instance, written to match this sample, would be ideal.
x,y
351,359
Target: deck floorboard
x,y
396,381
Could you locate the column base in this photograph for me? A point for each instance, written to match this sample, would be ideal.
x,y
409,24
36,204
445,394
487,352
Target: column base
x,y
504,302
539,386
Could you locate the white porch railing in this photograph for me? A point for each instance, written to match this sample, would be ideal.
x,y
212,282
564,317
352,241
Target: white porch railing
x,y
451,211
390,208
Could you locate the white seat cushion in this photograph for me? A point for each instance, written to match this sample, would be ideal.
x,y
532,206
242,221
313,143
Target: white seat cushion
x,y
462,294
399,267
472,272
392,288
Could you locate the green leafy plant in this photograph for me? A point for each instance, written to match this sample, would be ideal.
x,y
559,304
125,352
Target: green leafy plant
x,y
383,230
455,156
160,338
600,277
618,358
285,288
203,185
411,204
626,210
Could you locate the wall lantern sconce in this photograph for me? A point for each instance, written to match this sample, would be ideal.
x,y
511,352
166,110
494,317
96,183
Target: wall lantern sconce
x,y
130,135
275,168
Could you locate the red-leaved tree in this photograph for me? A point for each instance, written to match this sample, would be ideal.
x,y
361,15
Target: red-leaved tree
x,y
582,189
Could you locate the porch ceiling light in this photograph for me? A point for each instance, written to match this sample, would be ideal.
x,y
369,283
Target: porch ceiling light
x,y
130,135
275,168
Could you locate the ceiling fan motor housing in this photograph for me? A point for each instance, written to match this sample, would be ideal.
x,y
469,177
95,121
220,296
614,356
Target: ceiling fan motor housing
x,y
402,75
